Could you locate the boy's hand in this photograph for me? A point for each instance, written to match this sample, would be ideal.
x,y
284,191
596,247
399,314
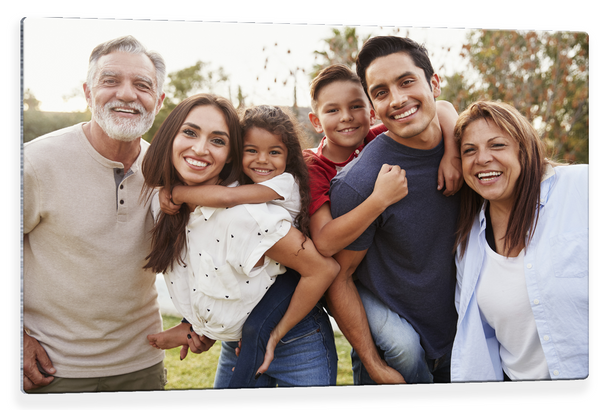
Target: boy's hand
x,y
386,375
391,185
166,204
450,175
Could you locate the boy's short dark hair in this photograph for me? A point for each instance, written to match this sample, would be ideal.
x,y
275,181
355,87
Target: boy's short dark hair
x,y
382,46
328,75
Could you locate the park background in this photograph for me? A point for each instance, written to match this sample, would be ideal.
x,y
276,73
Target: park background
x,y
548,15
544,74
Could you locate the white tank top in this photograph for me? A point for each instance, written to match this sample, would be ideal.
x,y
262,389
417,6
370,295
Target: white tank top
x,y
504,304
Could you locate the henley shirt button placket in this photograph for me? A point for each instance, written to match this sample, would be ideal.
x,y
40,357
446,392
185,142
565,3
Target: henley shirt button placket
x,y
121,214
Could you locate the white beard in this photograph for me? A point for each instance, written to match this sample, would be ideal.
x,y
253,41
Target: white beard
x,y
123,129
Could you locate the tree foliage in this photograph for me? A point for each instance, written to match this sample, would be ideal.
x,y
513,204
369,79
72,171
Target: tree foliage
x,y
185,83
37,123
342,48
30,102
545,75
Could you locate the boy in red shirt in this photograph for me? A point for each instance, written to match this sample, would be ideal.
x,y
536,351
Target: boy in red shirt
x,y
343,112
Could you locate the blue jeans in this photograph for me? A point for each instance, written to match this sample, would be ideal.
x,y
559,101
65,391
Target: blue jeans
x,y
305,356
399,345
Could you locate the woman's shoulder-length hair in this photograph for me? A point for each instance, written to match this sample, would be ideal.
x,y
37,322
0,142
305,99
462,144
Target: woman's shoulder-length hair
x,y
532,150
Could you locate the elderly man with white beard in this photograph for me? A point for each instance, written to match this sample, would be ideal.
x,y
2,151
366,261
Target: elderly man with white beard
x,y
87,302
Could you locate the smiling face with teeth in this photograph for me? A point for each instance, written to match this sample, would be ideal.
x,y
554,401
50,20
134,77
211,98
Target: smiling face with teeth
x,y
123,96
344,114
265,155
490,161
404,100
201,147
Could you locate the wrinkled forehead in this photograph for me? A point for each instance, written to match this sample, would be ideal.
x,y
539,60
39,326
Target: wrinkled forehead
x,y
121,64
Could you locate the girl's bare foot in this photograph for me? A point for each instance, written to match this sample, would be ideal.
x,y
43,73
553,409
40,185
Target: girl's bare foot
x,y
173,337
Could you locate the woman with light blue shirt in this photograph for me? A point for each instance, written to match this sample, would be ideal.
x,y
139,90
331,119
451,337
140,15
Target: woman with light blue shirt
x,y
522,254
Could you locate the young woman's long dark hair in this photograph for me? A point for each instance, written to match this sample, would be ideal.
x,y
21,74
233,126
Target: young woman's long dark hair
x,y
524,213
281,122
168,235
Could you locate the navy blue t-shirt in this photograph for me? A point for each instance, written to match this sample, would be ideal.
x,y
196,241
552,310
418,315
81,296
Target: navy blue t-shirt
x,y
409,264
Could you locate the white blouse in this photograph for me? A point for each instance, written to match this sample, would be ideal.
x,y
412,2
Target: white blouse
x,y
218,284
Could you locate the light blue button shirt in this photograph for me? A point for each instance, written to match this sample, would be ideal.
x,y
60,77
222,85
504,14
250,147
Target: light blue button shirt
x,y
556,266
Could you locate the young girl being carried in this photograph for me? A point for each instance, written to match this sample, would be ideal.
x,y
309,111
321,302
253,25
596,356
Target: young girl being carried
x,y
272,159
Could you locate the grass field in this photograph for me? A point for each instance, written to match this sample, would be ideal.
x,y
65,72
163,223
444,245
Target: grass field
x,y
197,371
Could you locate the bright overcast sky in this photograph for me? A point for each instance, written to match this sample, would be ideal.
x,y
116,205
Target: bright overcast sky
x,y
240,48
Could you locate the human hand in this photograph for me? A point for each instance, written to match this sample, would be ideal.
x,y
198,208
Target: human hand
x,y
166,202
269,355
450,175
391,184
37,366
238,348
384,374
196,344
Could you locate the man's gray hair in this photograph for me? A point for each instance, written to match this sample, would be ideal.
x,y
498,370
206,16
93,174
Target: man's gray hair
x,y
127,44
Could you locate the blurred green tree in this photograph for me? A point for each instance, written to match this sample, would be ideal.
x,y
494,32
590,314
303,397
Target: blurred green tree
x,y
545,75
342,48
37,123
185,83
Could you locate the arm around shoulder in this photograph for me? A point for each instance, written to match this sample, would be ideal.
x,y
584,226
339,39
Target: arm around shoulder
x,y
450,170
217,196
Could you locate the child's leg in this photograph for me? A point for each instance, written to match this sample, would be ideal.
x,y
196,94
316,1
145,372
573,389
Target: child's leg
x,y
258,326
173,337
306,355
397,341
227,361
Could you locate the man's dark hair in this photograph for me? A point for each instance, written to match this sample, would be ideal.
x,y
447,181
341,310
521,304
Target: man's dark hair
x,y
382,46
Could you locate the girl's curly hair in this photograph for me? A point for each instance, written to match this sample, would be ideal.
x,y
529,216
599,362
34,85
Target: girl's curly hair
x,y
282,122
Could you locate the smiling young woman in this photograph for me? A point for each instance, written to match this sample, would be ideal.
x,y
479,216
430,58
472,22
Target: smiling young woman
x,y
201,147
219,261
